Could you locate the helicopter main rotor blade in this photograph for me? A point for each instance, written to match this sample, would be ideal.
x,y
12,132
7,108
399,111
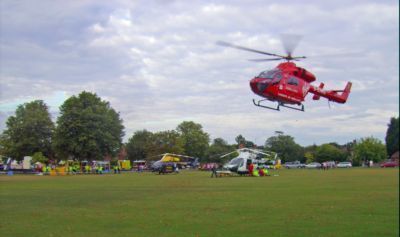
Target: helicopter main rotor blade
x,y
290,42
300,57
265,59
226,44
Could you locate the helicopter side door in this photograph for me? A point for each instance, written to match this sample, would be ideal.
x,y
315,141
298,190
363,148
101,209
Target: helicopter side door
x,y
293,88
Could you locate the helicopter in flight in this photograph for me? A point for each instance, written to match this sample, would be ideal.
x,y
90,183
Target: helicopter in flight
x,y
288,84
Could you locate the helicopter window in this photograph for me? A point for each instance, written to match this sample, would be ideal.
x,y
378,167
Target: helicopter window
x,y
268,74
235,161
293,81
278,76
241,163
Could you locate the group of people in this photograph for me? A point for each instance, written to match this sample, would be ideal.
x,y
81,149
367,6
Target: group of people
x,y
253,171
76,169
258,171
46,169
168,168
87,169
369,163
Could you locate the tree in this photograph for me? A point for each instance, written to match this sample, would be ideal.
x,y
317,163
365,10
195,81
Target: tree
x,y
392,136
286,147
166,142
310,157
369,148
240,140
29,131
195,140
218,148
39,157
309,153
138,146
87,128
329,152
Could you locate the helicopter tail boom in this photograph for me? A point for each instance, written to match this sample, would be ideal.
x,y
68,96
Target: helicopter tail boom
x,y
339,96
316,97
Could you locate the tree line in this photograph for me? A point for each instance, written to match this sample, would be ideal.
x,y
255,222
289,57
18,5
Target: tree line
x,y
88,128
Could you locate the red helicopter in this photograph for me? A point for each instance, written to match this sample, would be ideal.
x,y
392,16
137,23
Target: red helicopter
x,y
288,84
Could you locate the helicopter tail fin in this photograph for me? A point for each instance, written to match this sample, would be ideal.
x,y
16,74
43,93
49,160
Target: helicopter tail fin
x,y
316,97
346,92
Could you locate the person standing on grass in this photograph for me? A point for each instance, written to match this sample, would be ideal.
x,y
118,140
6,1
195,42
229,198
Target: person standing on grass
x,y
261,172
214,171
251,168
266,172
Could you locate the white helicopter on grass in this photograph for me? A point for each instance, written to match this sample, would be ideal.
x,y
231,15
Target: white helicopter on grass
x,y
247,156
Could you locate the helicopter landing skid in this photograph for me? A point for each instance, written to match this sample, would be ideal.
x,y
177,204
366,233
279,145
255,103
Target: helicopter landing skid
x,y
264,106
258,103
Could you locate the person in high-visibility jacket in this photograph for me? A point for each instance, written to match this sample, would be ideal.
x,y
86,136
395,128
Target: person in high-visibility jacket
x,y
48,169
266,172
44,169
255,173
87,169
70,170
75,169
100,169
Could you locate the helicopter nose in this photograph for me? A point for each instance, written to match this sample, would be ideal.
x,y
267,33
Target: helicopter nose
x,y
258,85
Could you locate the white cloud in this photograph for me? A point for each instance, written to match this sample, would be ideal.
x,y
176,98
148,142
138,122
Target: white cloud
x,y
157,63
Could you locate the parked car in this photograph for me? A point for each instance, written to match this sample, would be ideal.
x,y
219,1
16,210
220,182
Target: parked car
x,y
313,165
344,165
329,164
294,164
389,164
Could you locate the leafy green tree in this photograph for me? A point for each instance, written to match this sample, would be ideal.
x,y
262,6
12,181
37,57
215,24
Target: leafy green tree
x,y
39,157
29,131
369,148
392,136
309,153
165,142
310,157
218,148
139,145
87,128
195,140
240,140
286,148
329,152
348,149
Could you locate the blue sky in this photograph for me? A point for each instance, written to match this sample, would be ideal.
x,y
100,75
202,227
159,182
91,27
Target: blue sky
x,y
157,63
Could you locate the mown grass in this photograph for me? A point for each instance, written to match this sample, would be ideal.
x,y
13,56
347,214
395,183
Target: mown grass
x,y
341,202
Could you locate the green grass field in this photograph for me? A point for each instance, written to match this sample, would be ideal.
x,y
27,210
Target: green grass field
x,y
340,202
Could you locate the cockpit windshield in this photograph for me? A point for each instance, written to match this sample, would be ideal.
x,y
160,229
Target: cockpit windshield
x,y
271,74
235,161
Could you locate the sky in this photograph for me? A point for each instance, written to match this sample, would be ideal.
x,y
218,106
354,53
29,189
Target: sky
x,y
158,64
